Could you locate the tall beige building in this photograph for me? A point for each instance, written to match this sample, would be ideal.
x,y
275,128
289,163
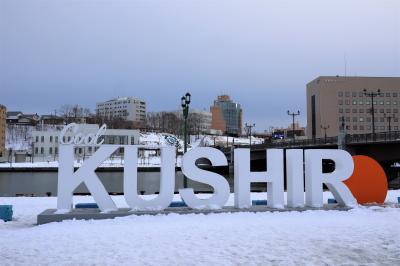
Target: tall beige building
x,y
333,99
3,117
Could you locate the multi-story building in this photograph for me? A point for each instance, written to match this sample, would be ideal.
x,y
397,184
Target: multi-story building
x,y
226,116
45,144
126,108
2,130
333,101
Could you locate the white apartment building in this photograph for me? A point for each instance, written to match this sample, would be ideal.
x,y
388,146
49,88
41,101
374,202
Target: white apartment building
x,y
199,120
127,108
45,143
202,120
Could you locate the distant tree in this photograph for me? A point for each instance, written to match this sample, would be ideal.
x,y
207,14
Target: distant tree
x,y
74,113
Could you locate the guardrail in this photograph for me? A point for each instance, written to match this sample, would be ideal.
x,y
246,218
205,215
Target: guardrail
x,y
369,138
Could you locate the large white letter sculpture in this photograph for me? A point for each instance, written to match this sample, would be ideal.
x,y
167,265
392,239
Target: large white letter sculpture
x,y
218,182
167,180
68,180
295,178
344,166
273,176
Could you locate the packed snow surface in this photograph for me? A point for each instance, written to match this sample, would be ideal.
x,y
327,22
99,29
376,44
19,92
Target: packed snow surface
x,y
361,236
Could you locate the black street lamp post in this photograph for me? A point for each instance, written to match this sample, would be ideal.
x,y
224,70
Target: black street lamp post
x,y
389,119
185,101
293,116
248,129
325,128
372,95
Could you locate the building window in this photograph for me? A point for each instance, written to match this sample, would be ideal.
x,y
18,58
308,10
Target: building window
x,y
347,110
50,150
133,138
368,119
382,127
340,112
381,111
340,93
360,102
347,119
361,110
381,102
361,119
354,102
51,139
354,94
36,150
395,110
354,111
42,139
355,127
37,138
122,140
347,94
394,94
396,128
80,150
340,102
369,127
387,94
56,150
56,139
394,103
41,150
388,110
361,127
396,119
388,103
354,119
382,119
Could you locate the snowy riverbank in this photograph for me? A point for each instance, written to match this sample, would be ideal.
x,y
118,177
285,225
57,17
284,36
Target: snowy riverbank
x,y
359,236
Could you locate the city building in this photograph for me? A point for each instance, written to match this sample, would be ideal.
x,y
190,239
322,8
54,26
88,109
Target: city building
x,y
226,116
45,143
19,118
333,100
2,130
126,108
199,121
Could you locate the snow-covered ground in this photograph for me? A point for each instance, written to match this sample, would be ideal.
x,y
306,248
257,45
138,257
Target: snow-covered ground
x,y
361,236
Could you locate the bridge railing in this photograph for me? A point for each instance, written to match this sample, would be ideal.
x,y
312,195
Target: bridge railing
x,y
379,137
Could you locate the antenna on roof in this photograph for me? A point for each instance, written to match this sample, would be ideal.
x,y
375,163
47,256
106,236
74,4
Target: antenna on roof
x,y
345,64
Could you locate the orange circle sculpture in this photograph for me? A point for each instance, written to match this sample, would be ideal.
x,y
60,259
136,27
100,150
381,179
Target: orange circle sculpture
x,y
368,183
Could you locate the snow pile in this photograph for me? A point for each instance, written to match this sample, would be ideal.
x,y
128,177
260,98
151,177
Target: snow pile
x,y
361,236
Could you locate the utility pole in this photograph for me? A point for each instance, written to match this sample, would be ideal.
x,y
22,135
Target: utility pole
x,y
293,116
185,101
372,95
248,129
325,128
389,119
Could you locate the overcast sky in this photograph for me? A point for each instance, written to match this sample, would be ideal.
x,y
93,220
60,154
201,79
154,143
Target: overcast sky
x,y
262,53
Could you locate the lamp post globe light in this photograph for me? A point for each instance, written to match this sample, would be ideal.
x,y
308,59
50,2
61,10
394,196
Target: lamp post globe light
x,y
185,101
